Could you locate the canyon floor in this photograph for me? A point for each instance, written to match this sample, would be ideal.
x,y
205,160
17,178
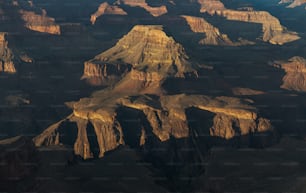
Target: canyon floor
x,y
152,96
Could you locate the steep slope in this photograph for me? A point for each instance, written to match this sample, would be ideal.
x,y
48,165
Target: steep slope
x,y
154,11
273,31
36,19
212,34
106,9
6,56
144,48
295,78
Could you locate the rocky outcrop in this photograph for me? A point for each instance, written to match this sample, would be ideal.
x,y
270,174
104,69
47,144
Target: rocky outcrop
x,y
144,48
154,11
211,6
40,22
6,56
240,91
212,34
106,9
293,3
295,69
103,73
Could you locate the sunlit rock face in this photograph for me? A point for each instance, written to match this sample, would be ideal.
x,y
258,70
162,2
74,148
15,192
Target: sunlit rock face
x,y
154,11
273,31
295,77
106,9
6,56
293,3
145,48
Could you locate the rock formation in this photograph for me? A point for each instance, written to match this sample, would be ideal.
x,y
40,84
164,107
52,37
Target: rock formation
x,y
273,31
211,6
154,11
40,22
145,48
212,34
166,117
36,19
154,57
295,78
293,3
240,91
106,9
6,56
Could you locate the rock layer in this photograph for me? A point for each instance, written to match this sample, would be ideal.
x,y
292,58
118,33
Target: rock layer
x,y
144,48
295,78
154,11
106,9
6,56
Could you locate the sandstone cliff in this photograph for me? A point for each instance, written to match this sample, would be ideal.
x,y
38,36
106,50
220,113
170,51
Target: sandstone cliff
x,y
154,11
144,48
295,78
6,56
106,9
